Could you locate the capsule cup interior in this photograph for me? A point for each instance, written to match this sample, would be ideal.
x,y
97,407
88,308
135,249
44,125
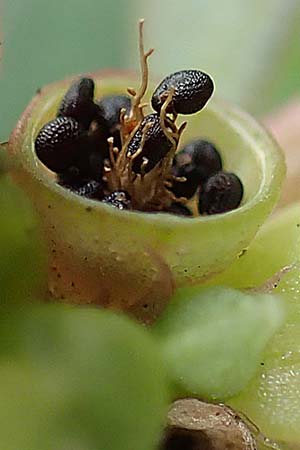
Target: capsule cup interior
x,y
132,260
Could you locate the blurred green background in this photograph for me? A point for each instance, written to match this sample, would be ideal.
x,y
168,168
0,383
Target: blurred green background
x,y
250,48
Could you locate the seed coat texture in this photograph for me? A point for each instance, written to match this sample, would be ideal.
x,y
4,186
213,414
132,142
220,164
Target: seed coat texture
x,y
192,90
221,193
58,143
156,144
118,199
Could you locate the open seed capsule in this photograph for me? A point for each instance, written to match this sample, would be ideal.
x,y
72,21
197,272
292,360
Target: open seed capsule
x,y
91,244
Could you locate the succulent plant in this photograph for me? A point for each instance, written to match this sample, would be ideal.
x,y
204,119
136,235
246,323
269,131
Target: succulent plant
x,y
133,260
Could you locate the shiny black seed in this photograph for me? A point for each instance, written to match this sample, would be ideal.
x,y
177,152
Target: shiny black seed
x,y
156,144
186,188
197,161
192,90
109,114
59,143
203,156
179,209
118,199
85,188
78,102
222,192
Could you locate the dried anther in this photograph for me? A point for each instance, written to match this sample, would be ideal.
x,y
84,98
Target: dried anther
x,y
221,193
192,90
196,425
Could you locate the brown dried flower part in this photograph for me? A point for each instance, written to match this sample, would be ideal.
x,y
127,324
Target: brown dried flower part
x,y
148,187
196,425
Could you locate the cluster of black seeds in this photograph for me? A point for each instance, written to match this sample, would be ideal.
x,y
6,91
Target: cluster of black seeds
x,y
107,149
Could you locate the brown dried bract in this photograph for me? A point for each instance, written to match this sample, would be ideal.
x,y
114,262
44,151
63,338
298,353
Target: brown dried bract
x,y
196,425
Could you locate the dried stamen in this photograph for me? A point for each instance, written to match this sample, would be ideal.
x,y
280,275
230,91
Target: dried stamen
x,y
137,110
121,146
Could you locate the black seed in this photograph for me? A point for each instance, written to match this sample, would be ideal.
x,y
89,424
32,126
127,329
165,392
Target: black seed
x,y
156,144
192,90
197,161
96,165
78,102
71,176
179,209
59,143
109,114
222,192
118,199
203,156
97,141
89,162
86,188
185,188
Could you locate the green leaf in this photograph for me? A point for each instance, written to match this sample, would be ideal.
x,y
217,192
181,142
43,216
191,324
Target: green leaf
x,y
212,339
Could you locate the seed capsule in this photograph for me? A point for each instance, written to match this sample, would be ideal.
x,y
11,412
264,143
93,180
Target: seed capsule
x,y
78,102
156,144
118,199
192,90
59,143
197,161
222,192
109,114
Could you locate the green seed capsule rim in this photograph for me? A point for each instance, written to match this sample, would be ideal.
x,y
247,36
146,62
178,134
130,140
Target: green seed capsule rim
x,y
270,159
